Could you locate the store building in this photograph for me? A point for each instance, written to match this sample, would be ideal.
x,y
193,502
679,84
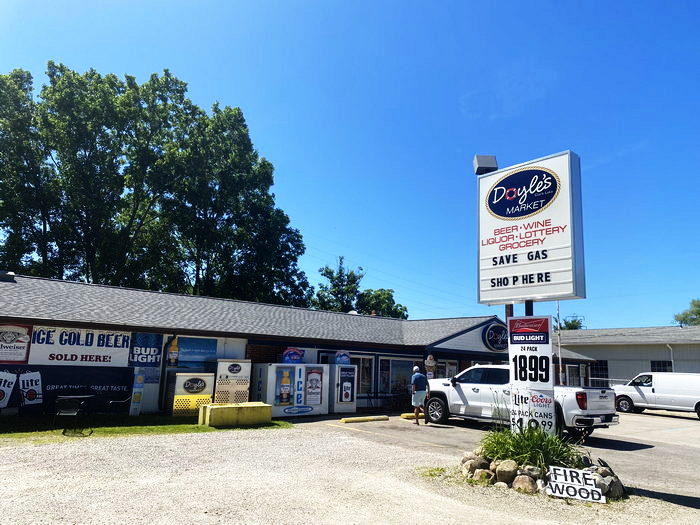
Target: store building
x,y
619,354
62,337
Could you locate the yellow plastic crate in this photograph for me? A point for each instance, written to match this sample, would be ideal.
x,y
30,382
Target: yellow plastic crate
x,y
189,405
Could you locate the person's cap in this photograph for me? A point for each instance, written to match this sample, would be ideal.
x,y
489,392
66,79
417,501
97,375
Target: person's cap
x,y
416,369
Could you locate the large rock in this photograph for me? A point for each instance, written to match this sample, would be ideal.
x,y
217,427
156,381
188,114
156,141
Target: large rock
x,y
617,489
507,471
479,451
541,486
483,475
500,485
601,483
525,483
605,472
494,464
467,456
532,471
472,465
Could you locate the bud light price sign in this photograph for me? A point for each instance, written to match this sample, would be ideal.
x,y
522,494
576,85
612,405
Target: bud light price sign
x,y
532,383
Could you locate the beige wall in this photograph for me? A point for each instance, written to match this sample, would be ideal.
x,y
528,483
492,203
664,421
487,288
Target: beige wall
x,y
626,361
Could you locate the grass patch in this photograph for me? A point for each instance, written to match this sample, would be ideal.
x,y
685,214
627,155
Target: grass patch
x,y
449,475
532,446
41,430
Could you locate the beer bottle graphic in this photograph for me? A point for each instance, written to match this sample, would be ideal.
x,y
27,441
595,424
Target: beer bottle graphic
x,y
285,389
173,352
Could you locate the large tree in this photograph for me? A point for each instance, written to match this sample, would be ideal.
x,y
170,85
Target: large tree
x,y
691,316
342,294
115,182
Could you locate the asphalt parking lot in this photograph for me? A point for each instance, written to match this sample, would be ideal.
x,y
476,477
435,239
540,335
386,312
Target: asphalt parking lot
x,y
657,453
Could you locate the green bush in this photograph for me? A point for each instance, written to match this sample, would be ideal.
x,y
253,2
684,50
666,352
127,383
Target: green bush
x,y
532,446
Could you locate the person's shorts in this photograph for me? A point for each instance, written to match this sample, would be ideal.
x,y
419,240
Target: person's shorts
x,y
418,398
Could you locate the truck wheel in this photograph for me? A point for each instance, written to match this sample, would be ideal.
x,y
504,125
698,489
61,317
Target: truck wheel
x,y
559,421
436,410
624,404
697,409
579,434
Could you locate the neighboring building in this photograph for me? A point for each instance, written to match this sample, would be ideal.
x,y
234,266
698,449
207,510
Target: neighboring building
x,y
60,337
620,354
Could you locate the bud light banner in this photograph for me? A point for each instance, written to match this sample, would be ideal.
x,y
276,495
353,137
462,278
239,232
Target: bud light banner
x,y
79,347
35,388
14,343
146,350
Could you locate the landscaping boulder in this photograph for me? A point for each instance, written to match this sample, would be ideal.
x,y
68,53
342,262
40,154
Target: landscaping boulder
x,y
472,465
532,471
617,489
507,471
601,483
494,464
467,456
500,485
483,475
525,483
541,486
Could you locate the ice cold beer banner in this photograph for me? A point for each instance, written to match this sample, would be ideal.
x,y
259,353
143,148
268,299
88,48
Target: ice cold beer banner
x,y
532,384
79,347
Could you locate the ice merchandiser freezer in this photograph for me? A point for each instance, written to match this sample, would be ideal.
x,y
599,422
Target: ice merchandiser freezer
x,y
343,397
292,389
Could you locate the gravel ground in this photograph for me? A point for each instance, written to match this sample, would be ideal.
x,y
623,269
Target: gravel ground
x,y
298,475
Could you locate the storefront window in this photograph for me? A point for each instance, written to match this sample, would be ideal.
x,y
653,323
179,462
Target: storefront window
x,y
364,368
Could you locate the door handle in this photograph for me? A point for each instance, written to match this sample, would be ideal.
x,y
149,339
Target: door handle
x,y
653,390
475,389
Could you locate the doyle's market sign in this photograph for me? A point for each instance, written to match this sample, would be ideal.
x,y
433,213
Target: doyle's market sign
x,y
530,233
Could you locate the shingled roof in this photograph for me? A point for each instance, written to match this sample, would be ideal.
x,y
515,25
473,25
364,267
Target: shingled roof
x,y
54,302
632,336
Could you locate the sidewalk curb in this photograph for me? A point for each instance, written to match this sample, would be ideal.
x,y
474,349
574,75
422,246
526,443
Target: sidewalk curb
x,y
363,419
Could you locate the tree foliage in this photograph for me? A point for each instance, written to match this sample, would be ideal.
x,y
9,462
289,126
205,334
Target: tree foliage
x,y
342,294
115,182
691,316
572,322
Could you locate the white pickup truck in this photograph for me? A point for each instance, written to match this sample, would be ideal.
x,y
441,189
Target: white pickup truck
x,y
482,392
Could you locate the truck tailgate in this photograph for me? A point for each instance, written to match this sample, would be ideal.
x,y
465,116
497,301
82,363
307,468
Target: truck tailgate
x,y
600,400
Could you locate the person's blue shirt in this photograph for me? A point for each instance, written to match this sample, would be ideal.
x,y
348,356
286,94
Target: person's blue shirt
x,y
420,381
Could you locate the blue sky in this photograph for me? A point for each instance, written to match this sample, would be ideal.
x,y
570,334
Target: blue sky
x,y
371,113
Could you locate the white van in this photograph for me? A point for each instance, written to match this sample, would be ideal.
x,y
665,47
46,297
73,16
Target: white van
x,y
660,391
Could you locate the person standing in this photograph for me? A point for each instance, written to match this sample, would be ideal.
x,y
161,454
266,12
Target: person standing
x,y
419,388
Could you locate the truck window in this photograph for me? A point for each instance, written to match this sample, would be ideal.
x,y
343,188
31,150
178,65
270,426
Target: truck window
x,y
644,380
476,375
498,376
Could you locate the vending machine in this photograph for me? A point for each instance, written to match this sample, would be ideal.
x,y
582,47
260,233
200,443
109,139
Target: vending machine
x,y
232,381
343,383
292,389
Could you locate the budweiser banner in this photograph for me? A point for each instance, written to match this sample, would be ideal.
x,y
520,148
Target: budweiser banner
x,y
14,343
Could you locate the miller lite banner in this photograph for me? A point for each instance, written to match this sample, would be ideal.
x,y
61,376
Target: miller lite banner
x,y
530,232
